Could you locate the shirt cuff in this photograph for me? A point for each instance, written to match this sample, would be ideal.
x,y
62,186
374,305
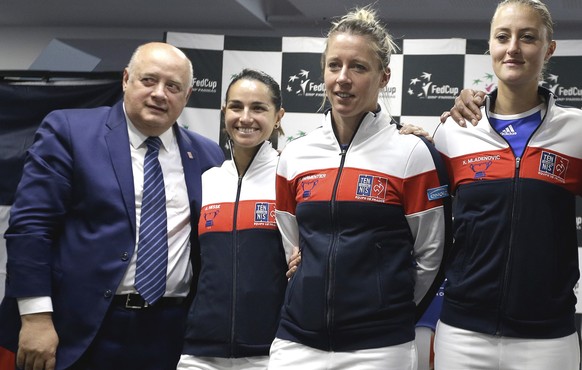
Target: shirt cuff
x,y
30,305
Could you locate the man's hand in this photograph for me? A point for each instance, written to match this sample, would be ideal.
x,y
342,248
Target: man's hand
x,y
294,262
38,341
467,107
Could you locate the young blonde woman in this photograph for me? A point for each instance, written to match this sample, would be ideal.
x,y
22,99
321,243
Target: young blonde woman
x,y
509,301
365,207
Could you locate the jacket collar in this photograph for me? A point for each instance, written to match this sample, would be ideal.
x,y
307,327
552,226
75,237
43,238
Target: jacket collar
x,y
265,154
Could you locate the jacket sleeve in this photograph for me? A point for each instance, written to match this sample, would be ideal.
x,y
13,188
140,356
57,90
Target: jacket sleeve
x,y
285,209
39,209
426,215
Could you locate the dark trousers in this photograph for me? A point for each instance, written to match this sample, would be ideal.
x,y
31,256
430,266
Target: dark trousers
x,y
146,339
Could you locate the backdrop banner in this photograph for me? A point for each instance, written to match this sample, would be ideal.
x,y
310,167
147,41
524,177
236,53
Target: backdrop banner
x,y
426,76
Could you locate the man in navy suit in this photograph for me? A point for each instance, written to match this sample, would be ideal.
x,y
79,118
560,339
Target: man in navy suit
x,y
74,225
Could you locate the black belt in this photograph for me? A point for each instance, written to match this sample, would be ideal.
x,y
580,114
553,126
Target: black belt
x,y
136,302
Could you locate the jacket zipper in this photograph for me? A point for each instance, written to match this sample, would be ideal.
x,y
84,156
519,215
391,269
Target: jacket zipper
x,y
504,288
235,246
333,253
234,263
329,312
505,284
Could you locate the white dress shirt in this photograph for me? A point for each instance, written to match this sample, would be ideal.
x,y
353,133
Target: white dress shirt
x,y
179,273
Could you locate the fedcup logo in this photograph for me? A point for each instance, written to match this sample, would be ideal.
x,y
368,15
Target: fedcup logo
x,y
301,85
389,92
551,83
204,85
423,87
429,92
419,86
571,94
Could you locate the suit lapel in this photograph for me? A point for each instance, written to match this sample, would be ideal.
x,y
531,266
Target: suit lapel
x,y
117,140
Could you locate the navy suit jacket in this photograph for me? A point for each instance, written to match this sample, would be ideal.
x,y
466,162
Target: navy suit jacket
x,y
72,230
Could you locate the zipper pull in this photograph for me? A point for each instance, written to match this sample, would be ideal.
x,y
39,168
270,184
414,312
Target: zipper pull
x,y
517,160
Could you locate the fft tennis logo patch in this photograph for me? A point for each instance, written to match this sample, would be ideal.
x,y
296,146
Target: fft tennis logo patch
x,y
371,187
265,213
554,166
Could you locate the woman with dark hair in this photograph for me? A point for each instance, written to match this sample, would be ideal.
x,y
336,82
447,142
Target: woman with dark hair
x,y
235,312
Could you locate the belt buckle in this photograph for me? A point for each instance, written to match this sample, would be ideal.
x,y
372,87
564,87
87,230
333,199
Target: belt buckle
x,y
135,306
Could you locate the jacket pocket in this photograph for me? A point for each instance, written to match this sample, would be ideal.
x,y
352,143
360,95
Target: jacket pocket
x,y
395,271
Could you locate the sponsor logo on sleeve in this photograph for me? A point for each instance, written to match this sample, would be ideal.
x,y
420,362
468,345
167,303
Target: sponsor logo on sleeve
x,y
438,192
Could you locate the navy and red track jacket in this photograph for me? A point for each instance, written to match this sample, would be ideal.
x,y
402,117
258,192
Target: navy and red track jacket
x,y
369,222
514,264
242,279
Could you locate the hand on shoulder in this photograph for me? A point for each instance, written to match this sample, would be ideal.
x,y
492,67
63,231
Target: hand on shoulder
x,y
467,107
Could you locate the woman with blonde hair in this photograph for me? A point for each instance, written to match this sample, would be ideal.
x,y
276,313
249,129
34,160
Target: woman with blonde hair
x,y
365,206
509,300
